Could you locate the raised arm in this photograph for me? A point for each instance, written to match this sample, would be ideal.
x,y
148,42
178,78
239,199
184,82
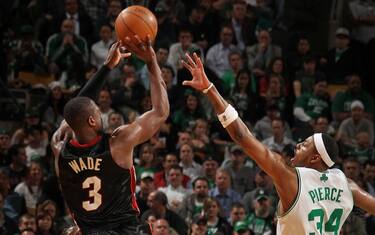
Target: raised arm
x,y
148,123
361,198
272,163
91,89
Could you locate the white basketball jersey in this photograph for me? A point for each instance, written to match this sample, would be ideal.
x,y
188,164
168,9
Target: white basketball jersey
x,y
323,203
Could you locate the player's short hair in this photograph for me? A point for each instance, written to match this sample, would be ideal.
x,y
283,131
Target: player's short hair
x,y
331,146
77,110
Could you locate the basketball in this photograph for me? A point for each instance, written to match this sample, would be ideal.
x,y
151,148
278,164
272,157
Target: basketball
x,y
136,20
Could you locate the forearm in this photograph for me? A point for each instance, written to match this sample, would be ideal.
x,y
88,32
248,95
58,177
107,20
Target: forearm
x,y
159,97
93,86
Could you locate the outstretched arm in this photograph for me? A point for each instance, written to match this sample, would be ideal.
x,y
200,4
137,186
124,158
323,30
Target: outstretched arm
x,y
149,122
272,163
361,198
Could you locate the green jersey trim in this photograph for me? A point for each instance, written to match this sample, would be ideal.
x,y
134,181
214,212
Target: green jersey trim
x,y
295,200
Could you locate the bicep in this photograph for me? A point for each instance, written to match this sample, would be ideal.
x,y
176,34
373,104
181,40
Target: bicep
x,y
142,129
361,198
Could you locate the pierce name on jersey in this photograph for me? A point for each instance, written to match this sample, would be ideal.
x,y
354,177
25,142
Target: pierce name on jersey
x,y
326,193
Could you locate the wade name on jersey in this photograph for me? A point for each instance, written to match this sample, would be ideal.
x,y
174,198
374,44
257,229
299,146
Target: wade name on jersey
x,y
325,193
85,163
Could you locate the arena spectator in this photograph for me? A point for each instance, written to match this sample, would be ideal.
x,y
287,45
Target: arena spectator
x,y
104,103
66,52
309,106
31,187
83,24
192,205
52,109
161,56
236,63
295,58
363,151
343,59
161,177
146,186
189,166
237,213
241,174
157,201
223,191
17,169
99,50
306,77
260,55
278,140
4,148
263,127
210,166
262,182
243,26
200,141
184,116
354,124
177,50
218,54
216,222
260,221
343,99
115,119
244,97
174,190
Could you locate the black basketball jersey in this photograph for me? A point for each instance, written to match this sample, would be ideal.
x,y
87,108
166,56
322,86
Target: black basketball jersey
x,y
99,193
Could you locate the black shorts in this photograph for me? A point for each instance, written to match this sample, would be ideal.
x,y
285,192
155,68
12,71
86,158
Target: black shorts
x,y
143,229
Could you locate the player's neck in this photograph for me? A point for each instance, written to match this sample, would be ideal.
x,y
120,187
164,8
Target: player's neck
x,y
86,138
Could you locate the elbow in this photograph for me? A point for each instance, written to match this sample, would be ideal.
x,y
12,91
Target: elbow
x,y
162,112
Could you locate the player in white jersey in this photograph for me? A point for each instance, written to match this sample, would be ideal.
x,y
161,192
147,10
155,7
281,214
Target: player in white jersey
x,y
313,198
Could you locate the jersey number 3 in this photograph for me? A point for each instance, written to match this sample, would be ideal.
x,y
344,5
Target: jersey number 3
x,y
333,223
95,199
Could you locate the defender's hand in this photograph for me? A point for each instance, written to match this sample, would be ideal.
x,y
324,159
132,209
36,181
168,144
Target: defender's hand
x,y
195,66
115,55
143,50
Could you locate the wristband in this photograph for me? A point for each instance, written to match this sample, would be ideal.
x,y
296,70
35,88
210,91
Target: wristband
x,y
228,116
208,88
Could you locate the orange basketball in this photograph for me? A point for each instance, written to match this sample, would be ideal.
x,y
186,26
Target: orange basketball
x,y
136,20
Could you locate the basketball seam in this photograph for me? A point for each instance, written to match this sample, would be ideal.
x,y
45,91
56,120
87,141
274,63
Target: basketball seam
x,y
146,23
123,21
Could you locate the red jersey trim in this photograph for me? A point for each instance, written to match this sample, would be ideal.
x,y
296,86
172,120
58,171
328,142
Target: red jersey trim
x,y
76,144
132,188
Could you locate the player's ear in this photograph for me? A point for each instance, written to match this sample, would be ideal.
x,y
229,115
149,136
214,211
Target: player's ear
x,y
91,121
315,159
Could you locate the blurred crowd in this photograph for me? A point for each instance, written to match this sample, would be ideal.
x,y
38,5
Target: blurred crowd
x,y
290,68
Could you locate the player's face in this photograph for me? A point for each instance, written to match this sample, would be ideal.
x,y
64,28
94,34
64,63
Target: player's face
x,y
303,152
95,120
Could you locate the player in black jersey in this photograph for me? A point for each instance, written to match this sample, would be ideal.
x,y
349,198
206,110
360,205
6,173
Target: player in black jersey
x,y
96,170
